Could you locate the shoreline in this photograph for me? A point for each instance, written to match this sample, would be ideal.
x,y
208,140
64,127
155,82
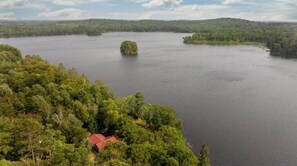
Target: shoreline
x,y
226,43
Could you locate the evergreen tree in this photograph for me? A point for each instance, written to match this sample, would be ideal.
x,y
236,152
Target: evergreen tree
x,y
204,156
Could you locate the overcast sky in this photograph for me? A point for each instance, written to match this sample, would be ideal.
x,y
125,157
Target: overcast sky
x,y
258,10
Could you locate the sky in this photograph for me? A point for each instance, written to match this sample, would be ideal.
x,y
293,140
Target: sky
x,y
255,10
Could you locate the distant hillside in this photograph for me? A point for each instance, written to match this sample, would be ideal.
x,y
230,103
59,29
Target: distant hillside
x,y
98,26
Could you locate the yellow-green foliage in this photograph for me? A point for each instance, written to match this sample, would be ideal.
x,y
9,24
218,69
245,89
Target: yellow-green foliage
x,y
8,53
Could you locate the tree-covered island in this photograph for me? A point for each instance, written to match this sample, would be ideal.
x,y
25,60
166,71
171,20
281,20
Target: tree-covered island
x,y
129,48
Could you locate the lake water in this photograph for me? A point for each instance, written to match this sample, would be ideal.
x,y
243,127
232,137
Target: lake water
x,y
237,99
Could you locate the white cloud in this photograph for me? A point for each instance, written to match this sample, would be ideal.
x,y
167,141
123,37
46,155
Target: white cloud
x,y
202,12
183,12
36,6
12,3
226,2
199,8
158,3
73,2
277,10
7,16
67,13
22,4
64,2
139,1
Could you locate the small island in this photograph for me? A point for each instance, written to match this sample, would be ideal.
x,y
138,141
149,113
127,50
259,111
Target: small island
x,y
129,48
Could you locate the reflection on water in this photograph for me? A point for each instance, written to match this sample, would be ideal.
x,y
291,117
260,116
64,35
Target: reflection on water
x,y
237,99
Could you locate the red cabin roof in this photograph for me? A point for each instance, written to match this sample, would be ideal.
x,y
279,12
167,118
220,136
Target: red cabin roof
x,y
100,140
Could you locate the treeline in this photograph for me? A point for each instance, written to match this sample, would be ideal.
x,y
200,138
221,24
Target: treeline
x,y
280,38
93,27
48,112
98,26
88,27
38,28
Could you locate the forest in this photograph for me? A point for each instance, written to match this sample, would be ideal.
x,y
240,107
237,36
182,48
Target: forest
x,y
280,38
47,113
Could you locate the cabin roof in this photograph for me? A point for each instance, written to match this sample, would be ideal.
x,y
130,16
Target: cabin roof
x,y
100,140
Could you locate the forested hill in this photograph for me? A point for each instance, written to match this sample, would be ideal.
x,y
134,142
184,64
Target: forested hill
x,y
48,112
98,26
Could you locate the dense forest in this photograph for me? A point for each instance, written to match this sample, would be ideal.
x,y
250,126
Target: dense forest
x,y
47,113
97,26
280,38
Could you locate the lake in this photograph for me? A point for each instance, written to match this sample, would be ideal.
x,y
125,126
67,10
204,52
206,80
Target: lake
x,y
237,99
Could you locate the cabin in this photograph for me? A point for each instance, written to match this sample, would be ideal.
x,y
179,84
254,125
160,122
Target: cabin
x,y
99,141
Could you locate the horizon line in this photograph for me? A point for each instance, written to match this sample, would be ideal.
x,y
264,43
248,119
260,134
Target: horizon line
x,y
113,19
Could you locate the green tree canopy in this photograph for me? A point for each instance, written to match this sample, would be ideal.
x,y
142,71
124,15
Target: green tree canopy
x,y
47,114
9,53
129,48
